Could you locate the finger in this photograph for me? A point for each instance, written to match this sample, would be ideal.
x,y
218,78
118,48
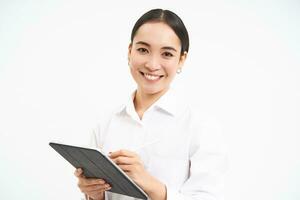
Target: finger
x,y
89,181
121,160
96,192
122,152
126,168
93,188
78,172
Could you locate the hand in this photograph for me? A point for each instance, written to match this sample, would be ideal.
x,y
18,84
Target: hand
x,y
133,166
94,188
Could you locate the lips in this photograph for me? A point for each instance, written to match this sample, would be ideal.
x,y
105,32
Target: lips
x,y
151,77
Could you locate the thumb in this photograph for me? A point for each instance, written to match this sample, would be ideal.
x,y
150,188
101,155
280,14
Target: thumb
x,y
78,172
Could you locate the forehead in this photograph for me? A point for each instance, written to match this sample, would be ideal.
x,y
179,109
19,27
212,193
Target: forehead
x,y
157,34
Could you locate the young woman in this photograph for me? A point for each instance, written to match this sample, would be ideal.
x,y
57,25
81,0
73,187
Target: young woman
x,y
165,148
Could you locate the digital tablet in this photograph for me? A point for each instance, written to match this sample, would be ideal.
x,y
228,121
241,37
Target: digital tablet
x,y
97,165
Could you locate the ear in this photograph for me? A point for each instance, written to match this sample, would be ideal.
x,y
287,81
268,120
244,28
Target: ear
x,y
182,59
129,51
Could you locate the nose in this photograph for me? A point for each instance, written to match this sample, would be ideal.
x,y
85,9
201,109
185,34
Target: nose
x,y
153,63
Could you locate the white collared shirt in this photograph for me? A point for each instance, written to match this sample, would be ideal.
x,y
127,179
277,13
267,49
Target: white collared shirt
x,y
183,150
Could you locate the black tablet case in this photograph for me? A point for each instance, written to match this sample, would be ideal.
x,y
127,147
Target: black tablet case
x,y
96,165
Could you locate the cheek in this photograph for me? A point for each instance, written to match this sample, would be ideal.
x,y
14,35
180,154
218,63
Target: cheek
x,y
171,68
136,62
135,65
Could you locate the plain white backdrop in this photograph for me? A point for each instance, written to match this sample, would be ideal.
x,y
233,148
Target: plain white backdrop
x,y
63,62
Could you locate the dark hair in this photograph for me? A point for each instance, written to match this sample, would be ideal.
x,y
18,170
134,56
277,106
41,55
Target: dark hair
x,y
168,17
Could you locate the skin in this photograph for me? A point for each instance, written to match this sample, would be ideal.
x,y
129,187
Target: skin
x,y
156,51
94,188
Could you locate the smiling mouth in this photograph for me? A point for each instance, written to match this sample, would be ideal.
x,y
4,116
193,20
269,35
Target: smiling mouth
x,y
151,77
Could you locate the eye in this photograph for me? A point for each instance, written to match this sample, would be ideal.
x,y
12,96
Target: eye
x,y
167,54
142,50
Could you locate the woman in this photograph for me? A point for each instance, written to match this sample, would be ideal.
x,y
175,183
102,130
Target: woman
x,y
155,138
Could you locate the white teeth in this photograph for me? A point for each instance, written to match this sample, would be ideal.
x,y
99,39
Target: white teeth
x,y
151,77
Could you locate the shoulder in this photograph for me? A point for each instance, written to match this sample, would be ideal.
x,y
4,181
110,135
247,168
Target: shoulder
x,y
198,117
99,130
205,134
207,131
107,114
204,125
203,119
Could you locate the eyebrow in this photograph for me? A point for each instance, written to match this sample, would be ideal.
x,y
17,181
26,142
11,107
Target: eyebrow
x,y
148,45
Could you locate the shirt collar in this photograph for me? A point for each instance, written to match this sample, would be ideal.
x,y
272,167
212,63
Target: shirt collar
x,y
170,103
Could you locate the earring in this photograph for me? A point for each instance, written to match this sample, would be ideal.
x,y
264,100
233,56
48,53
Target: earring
x,y
178,71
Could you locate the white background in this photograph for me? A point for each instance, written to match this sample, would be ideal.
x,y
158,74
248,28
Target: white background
x,y
63,62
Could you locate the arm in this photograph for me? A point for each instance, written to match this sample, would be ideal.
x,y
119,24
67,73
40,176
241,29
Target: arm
x,y
208,164
132,165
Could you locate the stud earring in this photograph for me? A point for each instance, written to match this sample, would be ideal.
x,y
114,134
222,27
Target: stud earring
x,y
178,71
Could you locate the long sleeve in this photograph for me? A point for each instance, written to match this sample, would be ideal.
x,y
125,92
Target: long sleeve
x,y
208,164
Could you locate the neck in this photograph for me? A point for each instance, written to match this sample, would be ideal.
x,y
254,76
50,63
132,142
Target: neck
x,y
142,101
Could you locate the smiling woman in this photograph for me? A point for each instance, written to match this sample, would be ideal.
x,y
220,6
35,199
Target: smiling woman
x,y
158,49
154,57
187,159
